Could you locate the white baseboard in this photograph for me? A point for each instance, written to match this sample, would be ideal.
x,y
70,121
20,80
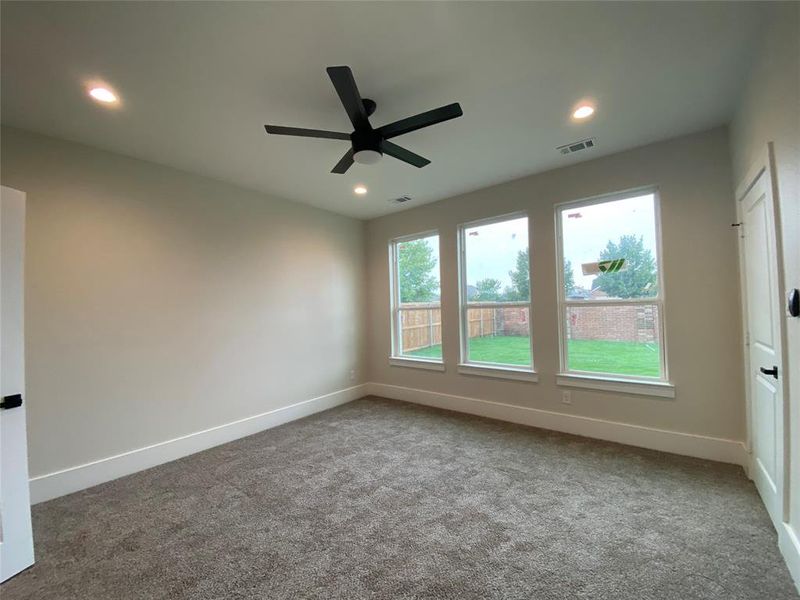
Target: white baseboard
x,y
722,450
789,543
73,479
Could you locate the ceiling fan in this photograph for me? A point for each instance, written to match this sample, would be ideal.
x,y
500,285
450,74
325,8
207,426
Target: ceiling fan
x,y
368,145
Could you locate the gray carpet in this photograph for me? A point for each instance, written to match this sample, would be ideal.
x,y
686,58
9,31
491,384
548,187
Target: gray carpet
x,y
381,499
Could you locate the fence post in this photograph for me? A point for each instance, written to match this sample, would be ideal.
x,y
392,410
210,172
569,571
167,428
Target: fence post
x,y
430,327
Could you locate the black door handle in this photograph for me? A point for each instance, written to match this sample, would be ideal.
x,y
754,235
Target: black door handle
x,y
12,401
773,371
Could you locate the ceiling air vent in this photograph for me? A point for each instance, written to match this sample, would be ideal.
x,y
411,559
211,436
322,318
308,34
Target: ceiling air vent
x,y
576,146
400,200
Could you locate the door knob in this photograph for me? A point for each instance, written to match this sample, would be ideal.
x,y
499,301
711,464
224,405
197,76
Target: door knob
x,y
773,371
12,401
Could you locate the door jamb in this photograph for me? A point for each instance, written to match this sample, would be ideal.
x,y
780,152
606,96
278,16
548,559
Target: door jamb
x,y
765,164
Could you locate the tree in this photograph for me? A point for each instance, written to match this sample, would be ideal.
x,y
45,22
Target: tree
x,y
488,290
415,264
638,278
569,278
520,278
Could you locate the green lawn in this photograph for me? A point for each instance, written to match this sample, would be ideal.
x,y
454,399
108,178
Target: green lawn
x,y
622,358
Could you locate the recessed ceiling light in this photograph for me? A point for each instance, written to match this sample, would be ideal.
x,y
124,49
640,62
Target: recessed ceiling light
x,y
102,94
360,190
584,111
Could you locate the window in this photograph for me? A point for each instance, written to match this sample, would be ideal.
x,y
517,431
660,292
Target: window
x,y
416,298
495,294
611,291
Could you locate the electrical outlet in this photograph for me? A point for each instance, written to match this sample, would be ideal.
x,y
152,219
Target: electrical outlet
x,y
352,374
566,397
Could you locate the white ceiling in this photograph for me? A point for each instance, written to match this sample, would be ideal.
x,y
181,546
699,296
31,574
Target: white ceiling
x,y
199,80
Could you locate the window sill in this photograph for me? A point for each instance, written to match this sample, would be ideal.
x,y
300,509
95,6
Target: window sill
x,y
416,363
499,372
660,389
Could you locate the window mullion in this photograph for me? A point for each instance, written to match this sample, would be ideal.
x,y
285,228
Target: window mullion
x,y
611,302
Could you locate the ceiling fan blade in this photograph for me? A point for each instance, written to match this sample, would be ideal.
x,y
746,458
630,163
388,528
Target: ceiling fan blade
x,y
345,84
431,117
312,133
344,164
403,154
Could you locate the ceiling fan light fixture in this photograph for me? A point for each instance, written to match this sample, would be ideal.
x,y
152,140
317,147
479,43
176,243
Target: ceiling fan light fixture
x,y
367,157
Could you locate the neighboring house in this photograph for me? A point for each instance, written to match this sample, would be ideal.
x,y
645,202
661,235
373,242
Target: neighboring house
x,y
579,293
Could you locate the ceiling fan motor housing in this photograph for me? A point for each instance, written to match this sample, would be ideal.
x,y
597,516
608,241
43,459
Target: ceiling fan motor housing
x,y
366,146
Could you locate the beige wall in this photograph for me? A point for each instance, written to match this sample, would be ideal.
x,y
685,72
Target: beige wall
x,y
770,111
159,303
700,272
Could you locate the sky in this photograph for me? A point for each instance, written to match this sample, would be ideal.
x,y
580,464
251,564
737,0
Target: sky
x,y
587,230
492,250
433,243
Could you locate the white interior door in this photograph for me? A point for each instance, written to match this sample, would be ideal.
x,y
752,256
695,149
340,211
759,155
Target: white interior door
x,y
16,538
763,332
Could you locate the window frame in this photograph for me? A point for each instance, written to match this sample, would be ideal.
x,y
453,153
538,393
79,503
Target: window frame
x,y
396,358
490,369
657,386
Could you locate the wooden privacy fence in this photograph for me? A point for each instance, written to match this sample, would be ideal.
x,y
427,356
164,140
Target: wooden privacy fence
x,y
481,322
421,322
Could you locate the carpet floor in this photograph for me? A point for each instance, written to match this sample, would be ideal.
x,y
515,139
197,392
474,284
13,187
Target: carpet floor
x,y
382,499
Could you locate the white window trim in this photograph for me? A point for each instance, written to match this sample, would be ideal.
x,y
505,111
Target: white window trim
x,y
466,366
611,381
498,371
395,357
416,363
603,383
